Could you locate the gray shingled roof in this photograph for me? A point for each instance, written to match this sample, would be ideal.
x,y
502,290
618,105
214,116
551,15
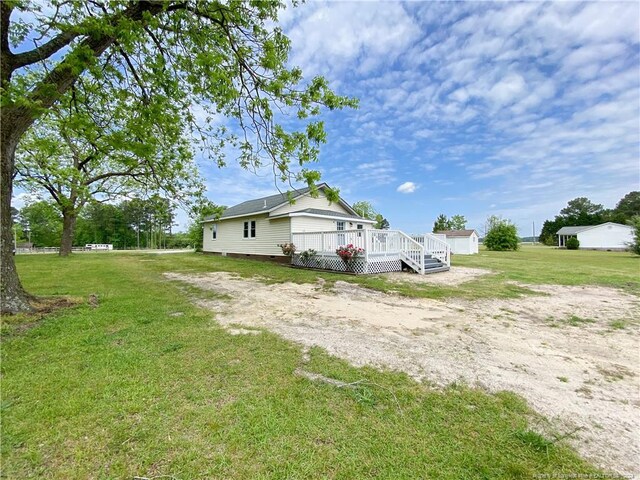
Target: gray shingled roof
x,y
572,230
259,205
457,233
264,204
329,213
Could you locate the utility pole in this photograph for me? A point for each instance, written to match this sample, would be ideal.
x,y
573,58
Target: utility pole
x,y
534,232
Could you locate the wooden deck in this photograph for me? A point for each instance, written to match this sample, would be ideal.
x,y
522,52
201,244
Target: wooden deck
x,y
384,251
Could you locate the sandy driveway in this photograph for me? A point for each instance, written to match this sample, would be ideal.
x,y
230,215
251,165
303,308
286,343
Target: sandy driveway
x,y
584,374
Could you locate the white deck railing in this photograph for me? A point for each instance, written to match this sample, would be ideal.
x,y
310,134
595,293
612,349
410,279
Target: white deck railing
x,y
329,241
435,246
377,244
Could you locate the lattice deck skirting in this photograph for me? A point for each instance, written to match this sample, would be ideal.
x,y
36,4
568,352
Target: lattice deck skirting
x,y
358,266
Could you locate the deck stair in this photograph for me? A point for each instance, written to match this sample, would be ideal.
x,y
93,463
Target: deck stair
x,y
434,265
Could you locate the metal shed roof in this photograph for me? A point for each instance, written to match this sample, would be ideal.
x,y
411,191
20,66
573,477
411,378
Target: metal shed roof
x,y
572,230
456,233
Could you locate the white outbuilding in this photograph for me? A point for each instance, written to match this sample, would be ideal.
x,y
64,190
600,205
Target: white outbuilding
x,y
606,236
461,242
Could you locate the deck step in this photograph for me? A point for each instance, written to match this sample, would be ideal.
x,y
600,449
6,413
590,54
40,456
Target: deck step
x,y
431,266
441,268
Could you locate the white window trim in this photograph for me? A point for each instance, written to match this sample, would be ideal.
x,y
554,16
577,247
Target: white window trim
x,y
255,229
214,232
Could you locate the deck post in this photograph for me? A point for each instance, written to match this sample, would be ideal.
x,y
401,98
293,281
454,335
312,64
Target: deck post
x,y
367,243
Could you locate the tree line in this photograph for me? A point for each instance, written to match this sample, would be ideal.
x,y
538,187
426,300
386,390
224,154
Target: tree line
x,y
583,212
135,223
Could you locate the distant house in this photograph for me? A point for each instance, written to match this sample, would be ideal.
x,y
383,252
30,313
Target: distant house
x,y
606,236
331,235
462,242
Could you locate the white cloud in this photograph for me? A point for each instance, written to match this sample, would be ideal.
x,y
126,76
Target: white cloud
x,y
333,38
407,187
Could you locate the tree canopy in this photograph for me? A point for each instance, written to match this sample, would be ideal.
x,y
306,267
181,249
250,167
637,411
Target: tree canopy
x,y
93,147
581,211
381,222
43,222
456,222
189,63
627,208
365,210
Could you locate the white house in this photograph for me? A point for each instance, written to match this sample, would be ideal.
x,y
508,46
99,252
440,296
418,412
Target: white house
x,y
321,230
606,236
462,242
257,227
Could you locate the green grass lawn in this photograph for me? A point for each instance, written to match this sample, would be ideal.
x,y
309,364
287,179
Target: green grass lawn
x,y
549,265
147,384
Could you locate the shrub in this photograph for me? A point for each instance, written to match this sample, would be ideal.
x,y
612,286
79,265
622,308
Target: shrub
x,y
308,256
635,244
288,248
572,243
502,235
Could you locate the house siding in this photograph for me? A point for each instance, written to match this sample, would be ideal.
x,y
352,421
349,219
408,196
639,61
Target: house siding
x,y
606,236
269,233
316,224
307,201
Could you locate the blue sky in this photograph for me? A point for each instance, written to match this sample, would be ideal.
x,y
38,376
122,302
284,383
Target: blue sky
x,y
467,108
476,109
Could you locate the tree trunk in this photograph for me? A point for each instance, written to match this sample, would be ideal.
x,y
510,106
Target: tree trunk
x,y
13,298
69,217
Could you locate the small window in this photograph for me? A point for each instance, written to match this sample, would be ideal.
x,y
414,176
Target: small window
x,y
339,225
359,226
249,230
214,231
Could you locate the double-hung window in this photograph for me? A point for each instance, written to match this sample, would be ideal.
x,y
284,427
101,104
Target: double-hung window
x,y
249,230
214,231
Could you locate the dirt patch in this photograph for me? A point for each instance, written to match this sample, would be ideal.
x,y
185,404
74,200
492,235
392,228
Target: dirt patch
x,y
42,307
580,374
453,277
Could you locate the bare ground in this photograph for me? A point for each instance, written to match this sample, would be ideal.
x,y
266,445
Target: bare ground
x,y
558,350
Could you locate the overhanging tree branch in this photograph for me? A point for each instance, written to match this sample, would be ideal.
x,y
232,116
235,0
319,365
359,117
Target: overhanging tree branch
x,y
43,52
